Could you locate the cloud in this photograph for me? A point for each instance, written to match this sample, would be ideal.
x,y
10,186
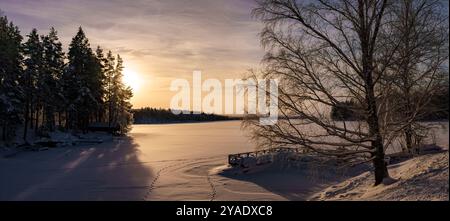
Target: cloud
x,y
164,38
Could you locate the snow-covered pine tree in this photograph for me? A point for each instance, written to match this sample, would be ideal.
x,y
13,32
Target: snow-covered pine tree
x,y
109,71
83,68
32,80
123,114
53,62
11,96
117,95
69,86
96,86
35,87
101,59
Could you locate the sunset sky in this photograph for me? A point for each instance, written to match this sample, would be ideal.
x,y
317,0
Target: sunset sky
x,y
160,40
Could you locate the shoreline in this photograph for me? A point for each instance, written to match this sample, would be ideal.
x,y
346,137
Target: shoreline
x,y
185,122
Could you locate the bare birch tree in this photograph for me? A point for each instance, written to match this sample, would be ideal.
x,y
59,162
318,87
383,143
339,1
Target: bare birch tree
x,y
419,71
323,54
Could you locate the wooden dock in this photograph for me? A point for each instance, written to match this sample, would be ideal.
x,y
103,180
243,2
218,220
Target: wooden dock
x,y
238,158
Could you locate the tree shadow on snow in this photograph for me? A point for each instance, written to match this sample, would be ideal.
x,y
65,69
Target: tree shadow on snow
x,y
108,171
293,181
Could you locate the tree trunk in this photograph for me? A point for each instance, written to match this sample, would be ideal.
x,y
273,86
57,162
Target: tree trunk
x,y
59,119
49,118
68,118
4,132
408,138
367,62
44,119
109,114
26,115
379,163
31,113
36,124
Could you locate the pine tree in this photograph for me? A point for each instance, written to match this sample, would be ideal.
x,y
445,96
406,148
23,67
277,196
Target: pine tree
x,y
101,62
109,71
32,80
117,95
122,113
69,85
36,87
11,95
83,68
125,112
117,86
53,70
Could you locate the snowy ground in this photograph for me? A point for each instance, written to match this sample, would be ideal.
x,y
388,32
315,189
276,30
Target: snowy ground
x,y
188,162
422,178
109,171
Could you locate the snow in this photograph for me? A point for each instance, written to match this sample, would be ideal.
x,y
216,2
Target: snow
x,y
421,178
189,162
63,138
289,175
158,162
107,171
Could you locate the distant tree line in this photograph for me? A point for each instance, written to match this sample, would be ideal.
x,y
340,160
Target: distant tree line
x,y
436,109
345,111
43,88
149,115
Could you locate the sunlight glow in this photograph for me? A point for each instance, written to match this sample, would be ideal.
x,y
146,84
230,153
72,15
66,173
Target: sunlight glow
x,y
132,79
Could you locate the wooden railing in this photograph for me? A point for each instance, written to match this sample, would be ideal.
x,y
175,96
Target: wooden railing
x,y
237,159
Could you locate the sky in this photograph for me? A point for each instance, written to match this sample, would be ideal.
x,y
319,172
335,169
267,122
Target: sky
x,y
160,40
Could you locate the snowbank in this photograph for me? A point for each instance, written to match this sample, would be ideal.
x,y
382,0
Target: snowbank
x,y
422,178
313,177
289,176
292,162
51,140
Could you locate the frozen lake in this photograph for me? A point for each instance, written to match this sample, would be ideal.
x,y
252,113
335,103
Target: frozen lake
x,y
190,140
156,162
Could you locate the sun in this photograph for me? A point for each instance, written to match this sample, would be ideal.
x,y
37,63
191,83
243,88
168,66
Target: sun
x,y
132,79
